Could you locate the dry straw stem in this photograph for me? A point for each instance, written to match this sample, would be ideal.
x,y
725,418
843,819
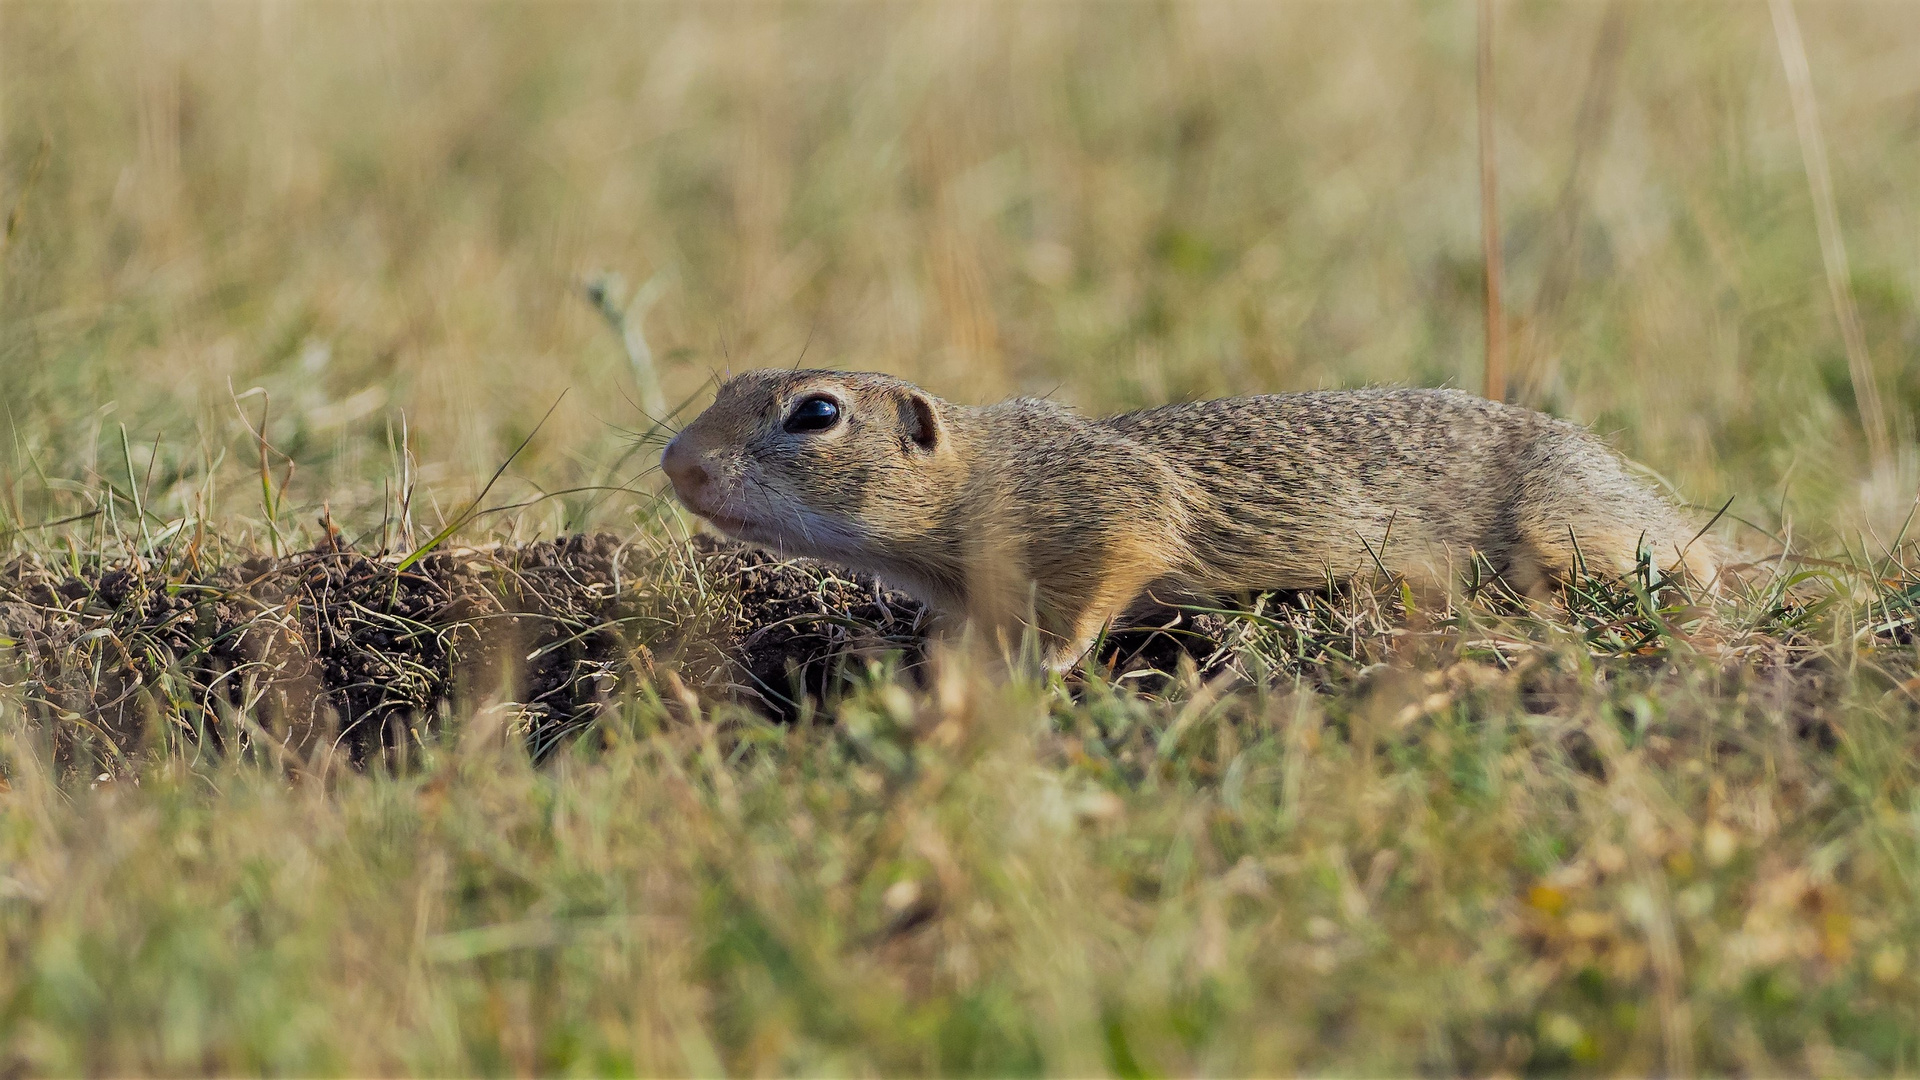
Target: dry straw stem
x,y
1833,247
626,316
1496,369
1571,212
26,189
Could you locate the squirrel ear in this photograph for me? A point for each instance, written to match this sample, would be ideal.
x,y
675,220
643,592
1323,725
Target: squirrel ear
x,y
920,417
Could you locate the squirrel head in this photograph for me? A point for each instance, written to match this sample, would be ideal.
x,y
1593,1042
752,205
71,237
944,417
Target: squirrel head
x,y
828,464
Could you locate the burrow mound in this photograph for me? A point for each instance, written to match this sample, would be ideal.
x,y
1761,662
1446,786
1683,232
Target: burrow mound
x,y
327,644
367,654
332,644
333,647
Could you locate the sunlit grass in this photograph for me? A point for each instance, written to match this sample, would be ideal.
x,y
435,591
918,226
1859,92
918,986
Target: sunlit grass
x,y
276,268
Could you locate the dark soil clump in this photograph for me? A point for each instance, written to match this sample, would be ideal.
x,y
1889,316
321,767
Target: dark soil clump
x,y
332,648
332,651
791,629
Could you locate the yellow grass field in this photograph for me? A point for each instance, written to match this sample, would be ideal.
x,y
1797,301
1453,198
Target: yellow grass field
x,y
268,263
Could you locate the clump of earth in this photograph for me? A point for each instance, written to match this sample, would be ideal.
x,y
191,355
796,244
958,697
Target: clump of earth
x,y
366,654
336,648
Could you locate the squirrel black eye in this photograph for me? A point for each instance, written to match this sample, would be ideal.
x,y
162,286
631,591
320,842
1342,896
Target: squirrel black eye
x,y
813,414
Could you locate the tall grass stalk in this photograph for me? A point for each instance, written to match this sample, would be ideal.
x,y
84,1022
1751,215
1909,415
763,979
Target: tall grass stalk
x,y
1833,246
1494,378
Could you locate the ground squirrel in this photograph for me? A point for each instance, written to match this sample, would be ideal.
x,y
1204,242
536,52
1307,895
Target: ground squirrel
x,y
1027,514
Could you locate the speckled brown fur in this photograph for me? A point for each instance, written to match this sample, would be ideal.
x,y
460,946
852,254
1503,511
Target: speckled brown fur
x,y
1027,514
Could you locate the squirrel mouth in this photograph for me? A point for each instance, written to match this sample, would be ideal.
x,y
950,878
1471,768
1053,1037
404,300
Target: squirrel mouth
x,y
727,514
748,529
728,523
702,508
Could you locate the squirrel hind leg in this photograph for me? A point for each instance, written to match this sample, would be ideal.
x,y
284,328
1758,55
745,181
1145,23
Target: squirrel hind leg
x,y
1532,574
1578,510
1551,556
1701,560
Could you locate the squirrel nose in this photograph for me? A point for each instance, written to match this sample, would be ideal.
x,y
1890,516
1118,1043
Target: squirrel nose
x,y
683,468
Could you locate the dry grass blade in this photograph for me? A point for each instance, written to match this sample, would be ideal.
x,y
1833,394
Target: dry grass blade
x,y
26,188
1833,246
1494,378
473,508
626,317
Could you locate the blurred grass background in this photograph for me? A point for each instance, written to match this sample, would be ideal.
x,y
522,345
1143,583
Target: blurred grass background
x,y
377,209
381,213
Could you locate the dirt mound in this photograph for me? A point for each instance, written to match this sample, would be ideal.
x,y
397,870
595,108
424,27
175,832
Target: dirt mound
x,y
783,630
336,645
367,653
